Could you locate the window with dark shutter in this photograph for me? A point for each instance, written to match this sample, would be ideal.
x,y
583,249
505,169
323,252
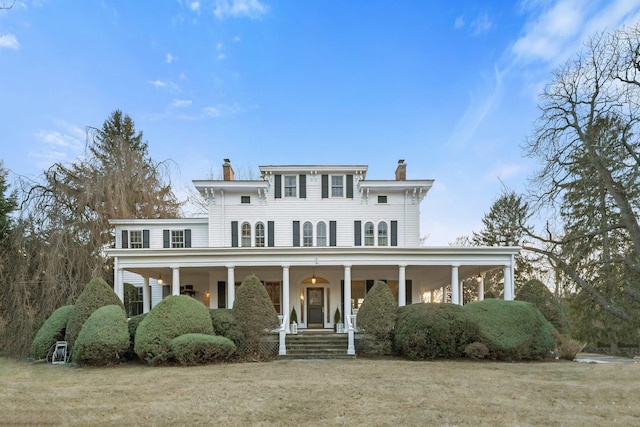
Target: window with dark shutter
x,y
325,186
166,242
357,233
125,239
145,239
394,233
270,234
278,186
349,186
303,186
296,233
234,234
332,233
187,238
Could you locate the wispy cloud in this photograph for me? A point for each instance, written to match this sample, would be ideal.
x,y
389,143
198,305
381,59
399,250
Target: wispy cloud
x,y
213,112
253,9
221,56
480,25
181,103
195,6
62,145
9,41
459,23
170,58
157,83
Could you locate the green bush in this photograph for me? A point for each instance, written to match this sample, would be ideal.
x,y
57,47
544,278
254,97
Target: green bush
x,y
132,326
537,293
429,331
104,338
225,325
174,316
194,349
254,312
566,347
512,330
476,350
97,293
52,330
377,319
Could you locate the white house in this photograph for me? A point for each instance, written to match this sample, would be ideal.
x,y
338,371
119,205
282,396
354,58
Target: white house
x,y
318,236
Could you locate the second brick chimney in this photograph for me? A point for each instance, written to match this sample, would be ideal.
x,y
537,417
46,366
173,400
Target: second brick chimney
x,y
401,171
227,171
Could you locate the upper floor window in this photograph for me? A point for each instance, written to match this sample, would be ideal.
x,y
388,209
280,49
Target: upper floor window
x,y
246,235
290,186
135,239
177,238
382,199
307,234
382,234
368,234
245,199
260,235
337,186
321,237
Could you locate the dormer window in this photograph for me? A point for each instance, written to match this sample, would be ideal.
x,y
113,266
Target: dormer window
x,y
135,239
290,186
337,186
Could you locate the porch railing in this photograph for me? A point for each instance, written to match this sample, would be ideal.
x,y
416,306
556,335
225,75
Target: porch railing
x,y
282,331
350,327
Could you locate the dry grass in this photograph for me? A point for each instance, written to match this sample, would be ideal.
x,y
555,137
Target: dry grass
x,y
360,392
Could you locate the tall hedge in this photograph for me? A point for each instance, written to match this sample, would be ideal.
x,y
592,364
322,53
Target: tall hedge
x,y
254,312
537,293
225,325
174,316
97,293
104,337
377,319
512,330
430,331
52,330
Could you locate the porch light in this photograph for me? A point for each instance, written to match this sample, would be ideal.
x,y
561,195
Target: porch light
x,y
313,278
479,278
160,279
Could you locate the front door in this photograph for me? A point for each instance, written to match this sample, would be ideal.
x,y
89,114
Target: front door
x,y
315,307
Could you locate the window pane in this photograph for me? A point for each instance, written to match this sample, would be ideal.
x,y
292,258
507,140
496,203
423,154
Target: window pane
x,y
260,235
246,235
336,186
177,238
382,234
290,186
135,239
322,234
368,234
307,234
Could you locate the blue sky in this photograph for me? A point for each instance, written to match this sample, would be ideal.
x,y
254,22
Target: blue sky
x,y
450,87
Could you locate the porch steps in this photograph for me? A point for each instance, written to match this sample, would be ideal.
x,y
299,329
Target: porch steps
x,y
317,345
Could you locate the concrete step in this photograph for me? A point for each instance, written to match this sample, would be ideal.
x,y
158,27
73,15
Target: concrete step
x,y
317,346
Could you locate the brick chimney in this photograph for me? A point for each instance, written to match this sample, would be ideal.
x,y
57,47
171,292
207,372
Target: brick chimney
x,y
401,171
227,171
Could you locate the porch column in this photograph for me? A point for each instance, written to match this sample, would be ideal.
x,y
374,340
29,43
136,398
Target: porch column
x,y
231,286
285,296
146,296
175,281
347,295
118,286
455,287
508,285
213,291
444,294
461,292
481,288
402,286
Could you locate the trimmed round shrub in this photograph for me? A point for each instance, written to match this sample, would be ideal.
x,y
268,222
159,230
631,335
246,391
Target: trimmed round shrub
x,y
254,312
52,330
377,319
174,316
512,330
132,326
537,293
103,339
225,325
430,331
194,349
97,293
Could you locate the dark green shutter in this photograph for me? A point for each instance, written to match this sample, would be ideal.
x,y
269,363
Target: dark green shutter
x,y
145,238
234,234
222,294
357,233
349,186
278,186
368,285
342,300
394,233
296,233
332,233
270,234
303,186
409,291
125,239
187,238
325,186
165,239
